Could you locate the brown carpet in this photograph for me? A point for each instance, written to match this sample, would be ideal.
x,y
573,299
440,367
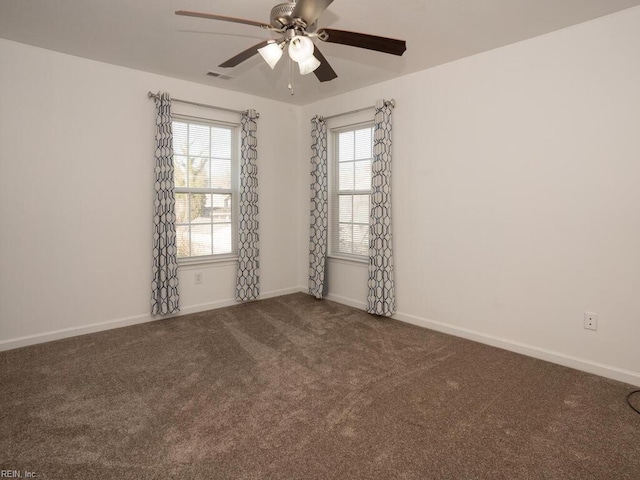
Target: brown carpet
x,y
295,388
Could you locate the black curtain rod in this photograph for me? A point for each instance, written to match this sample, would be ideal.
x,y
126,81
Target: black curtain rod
x,y
187,102
391,102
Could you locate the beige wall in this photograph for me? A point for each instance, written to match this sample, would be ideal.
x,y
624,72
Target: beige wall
x,y
516,199
76,190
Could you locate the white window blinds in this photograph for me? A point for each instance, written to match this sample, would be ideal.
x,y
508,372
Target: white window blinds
x,y
353,152
204,174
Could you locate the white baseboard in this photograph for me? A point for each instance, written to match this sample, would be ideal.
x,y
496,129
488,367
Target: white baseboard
x,y
346,301
203,307
50,336
627,376
589,366
25,341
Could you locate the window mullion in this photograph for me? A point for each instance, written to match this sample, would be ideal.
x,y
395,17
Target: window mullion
x,y
354,192
220,191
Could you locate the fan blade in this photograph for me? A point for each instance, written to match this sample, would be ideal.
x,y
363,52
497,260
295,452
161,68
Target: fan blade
x,y
310,10
242,56
362,40
211,16
324,72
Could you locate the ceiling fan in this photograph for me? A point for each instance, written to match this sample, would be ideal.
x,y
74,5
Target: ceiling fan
x,y
296,23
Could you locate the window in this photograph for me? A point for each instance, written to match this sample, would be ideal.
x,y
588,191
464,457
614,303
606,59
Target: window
x,y
205,166
353,152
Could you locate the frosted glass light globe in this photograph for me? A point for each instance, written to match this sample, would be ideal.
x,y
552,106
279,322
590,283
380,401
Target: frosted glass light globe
x,y
308,65
300,48
271,53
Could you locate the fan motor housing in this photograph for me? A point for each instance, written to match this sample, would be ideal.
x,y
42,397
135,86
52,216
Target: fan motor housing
x,y
282,18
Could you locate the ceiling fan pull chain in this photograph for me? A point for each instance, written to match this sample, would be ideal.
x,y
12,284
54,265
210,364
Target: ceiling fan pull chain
x,y
291,76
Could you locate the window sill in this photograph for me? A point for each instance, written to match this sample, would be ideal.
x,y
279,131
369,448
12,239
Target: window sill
x,y
348,260
198,262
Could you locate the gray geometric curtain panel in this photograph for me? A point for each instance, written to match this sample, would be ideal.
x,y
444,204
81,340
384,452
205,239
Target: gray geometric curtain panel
x,y
248,277
164,286
319,207
381,299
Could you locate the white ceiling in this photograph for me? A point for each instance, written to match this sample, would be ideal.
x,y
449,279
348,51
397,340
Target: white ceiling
x,y
146,35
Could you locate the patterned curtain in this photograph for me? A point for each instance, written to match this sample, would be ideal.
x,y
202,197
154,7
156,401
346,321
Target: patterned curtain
x,y
164,286
381,299
248,278
319,207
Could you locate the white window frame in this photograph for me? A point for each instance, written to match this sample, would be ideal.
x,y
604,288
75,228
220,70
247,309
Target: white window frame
x,y
335,192
233,191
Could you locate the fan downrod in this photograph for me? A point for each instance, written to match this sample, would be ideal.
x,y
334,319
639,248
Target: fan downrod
x,y
282,18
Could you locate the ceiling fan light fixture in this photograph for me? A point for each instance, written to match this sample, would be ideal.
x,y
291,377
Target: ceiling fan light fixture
x,y
300,48
271,53
296,23
308,65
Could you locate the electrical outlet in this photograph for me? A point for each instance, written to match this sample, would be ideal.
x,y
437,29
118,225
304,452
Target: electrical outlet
x,y
590,321
198,278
